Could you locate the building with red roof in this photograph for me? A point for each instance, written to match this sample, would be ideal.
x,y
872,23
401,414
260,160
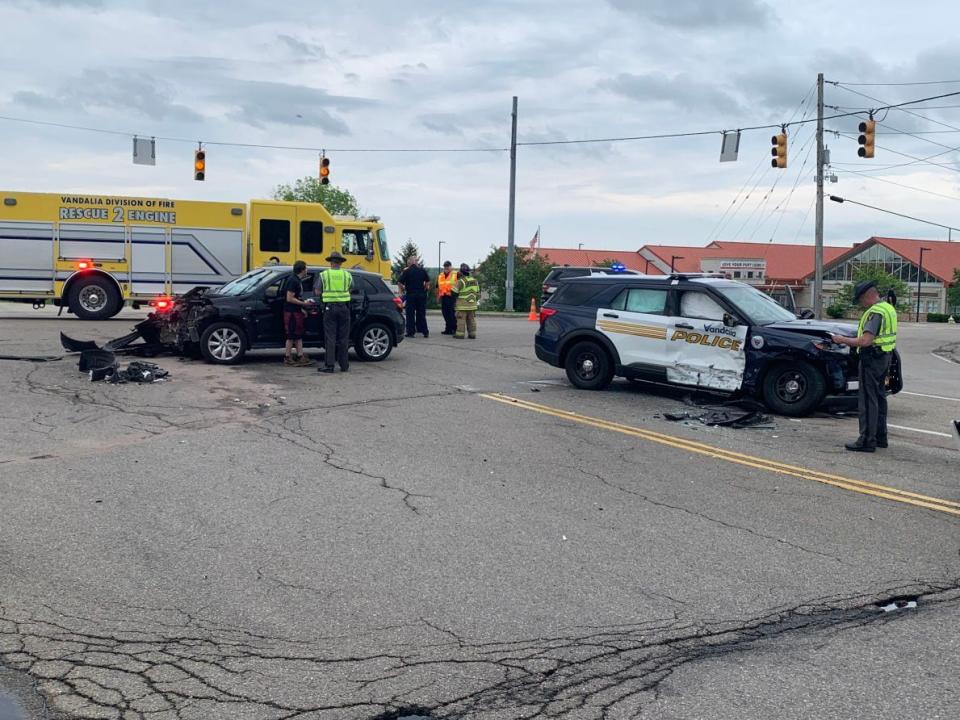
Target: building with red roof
x,y
774,266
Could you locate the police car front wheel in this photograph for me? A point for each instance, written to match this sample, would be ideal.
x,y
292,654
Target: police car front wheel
x,y
589,366
793,388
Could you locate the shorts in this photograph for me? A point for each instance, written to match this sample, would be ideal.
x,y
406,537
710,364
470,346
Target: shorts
x,y
293,324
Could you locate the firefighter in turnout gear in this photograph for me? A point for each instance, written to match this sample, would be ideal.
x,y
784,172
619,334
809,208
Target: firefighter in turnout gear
x,y
335,286
875,341
467,291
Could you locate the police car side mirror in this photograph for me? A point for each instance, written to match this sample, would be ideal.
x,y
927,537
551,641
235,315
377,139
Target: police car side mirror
x,y
807,314
729,320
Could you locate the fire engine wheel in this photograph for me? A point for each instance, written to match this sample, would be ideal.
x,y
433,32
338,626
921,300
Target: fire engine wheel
x,y
223,343
588,366
94,298
374,343
793,388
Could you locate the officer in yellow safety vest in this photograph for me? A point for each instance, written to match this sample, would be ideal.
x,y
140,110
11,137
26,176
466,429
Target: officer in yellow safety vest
x,y
467,291
335,286
875,341
446,281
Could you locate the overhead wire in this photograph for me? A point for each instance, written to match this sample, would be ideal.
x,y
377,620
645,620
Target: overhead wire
x,y
865,176
803,222
786,202
915,160
897,107
714,231
626,138
891,84
766,198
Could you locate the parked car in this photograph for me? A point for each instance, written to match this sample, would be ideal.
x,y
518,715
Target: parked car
x,y
223,323
694,331
562,273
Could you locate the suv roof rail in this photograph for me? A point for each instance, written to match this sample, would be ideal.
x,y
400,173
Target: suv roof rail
x,y
686,275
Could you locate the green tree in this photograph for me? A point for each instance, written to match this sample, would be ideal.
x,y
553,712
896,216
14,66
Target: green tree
x,y
604,263
530,270
336,200
885,282
406,252
953,292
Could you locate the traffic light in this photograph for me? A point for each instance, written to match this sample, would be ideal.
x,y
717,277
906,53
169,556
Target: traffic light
x,y
779,151
199,164
868,132
324,171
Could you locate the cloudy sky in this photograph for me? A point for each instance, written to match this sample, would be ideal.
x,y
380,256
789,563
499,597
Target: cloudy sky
x,y
439,74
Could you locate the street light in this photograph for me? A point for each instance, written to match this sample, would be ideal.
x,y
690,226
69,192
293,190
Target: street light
x,y
919,278
579,246
673,258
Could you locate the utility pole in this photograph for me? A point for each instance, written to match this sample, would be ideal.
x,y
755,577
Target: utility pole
x,y
818,242
508,305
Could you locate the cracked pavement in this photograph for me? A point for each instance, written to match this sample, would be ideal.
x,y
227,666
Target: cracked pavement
x,y
266,542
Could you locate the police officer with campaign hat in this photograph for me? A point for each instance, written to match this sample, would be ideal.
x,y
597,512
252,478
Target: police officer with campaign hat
x,y
875,341
335,287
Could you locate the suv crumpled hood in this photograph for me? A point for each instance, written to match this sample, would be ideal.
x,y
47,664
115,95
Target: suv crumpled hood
x,y
815,327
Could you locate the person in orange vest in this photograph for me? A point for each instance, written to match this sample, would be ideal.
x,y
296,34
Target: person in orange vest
x,y
446,282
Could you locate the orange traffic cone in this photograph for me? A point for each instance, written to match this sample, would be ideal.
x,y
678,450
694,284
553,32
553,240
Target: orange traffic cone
x,y
534,316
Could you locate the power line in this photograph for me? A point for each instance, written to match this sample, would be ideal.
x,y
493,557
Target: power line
x,y
803,223
924,82
865,176
657,136
838,199
724,219
914,158
898,107
245,145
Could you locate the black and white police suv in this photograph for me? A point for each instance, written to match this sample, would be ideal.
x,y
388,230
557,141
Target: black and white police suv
x,y
698,331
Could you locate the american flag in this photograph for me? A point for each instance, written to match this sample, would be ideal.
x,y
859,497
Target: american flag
x,y
535,241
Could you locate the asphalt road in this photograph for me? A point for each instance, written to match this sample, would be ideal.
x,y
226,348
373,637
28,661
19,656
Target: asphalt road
x,y
458,532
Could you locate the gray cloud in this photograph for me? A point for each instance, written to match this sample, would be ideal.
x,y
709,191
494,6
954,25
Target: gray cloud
x,y
258,103
682,91
115,90
444,123
60,3
695,14
302,48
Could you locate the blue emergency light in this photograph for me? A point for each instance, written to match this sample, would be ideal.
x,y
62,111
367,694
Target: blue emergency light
x,y
618,267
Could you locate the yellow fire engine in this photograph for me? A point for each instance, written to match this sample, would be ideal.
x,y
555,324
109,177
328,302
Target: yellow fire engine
x,y
92,253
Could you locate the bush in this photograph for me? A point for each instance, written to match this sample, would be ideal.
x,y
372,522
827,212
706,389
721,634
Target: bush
x,y
937,317
836,310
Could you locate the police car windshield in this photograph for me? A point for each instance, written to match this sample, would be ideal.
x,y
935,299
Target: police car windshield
x,y
760,308
244,283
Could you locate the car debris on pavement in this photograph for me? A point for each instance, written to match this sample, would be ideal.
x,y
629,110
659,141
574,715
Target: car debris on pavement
x,y
102,364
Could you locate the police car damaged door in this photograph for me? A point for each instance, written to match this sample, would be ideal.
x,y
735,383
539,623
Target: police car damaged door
x,y
705,347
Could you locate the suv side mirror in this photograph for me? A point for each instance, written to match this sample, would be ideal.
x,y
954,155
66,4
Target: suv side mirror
x,y
807,314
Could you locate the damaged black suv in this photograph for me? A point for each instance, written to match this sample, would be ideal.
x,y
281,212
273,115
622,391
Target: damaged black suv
x,y
222,323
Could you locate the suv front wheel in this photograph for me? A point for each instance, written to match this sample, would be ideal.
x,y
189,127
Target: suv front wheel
x,y
588,366
793,388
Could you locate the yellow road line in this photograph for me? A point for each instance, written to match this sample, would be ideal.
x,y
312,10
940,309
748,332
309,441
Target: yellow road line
x,y
860,486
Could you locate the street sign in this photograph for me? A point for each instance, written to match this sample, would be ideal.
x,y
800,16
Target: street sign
x,y
144,151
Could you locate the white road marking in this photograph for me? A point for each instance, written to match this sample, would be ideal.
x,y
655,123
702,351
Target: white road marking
x,y
946,360
936,397
918,430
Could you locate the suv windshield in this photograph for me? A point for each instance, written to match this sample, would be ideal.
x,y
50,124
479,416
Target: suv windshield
x,y
760,308
245,283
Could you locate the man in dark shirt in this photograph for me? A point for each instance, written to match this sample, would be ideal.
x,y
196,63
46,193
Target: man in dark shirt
x,y
293,314
415,284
